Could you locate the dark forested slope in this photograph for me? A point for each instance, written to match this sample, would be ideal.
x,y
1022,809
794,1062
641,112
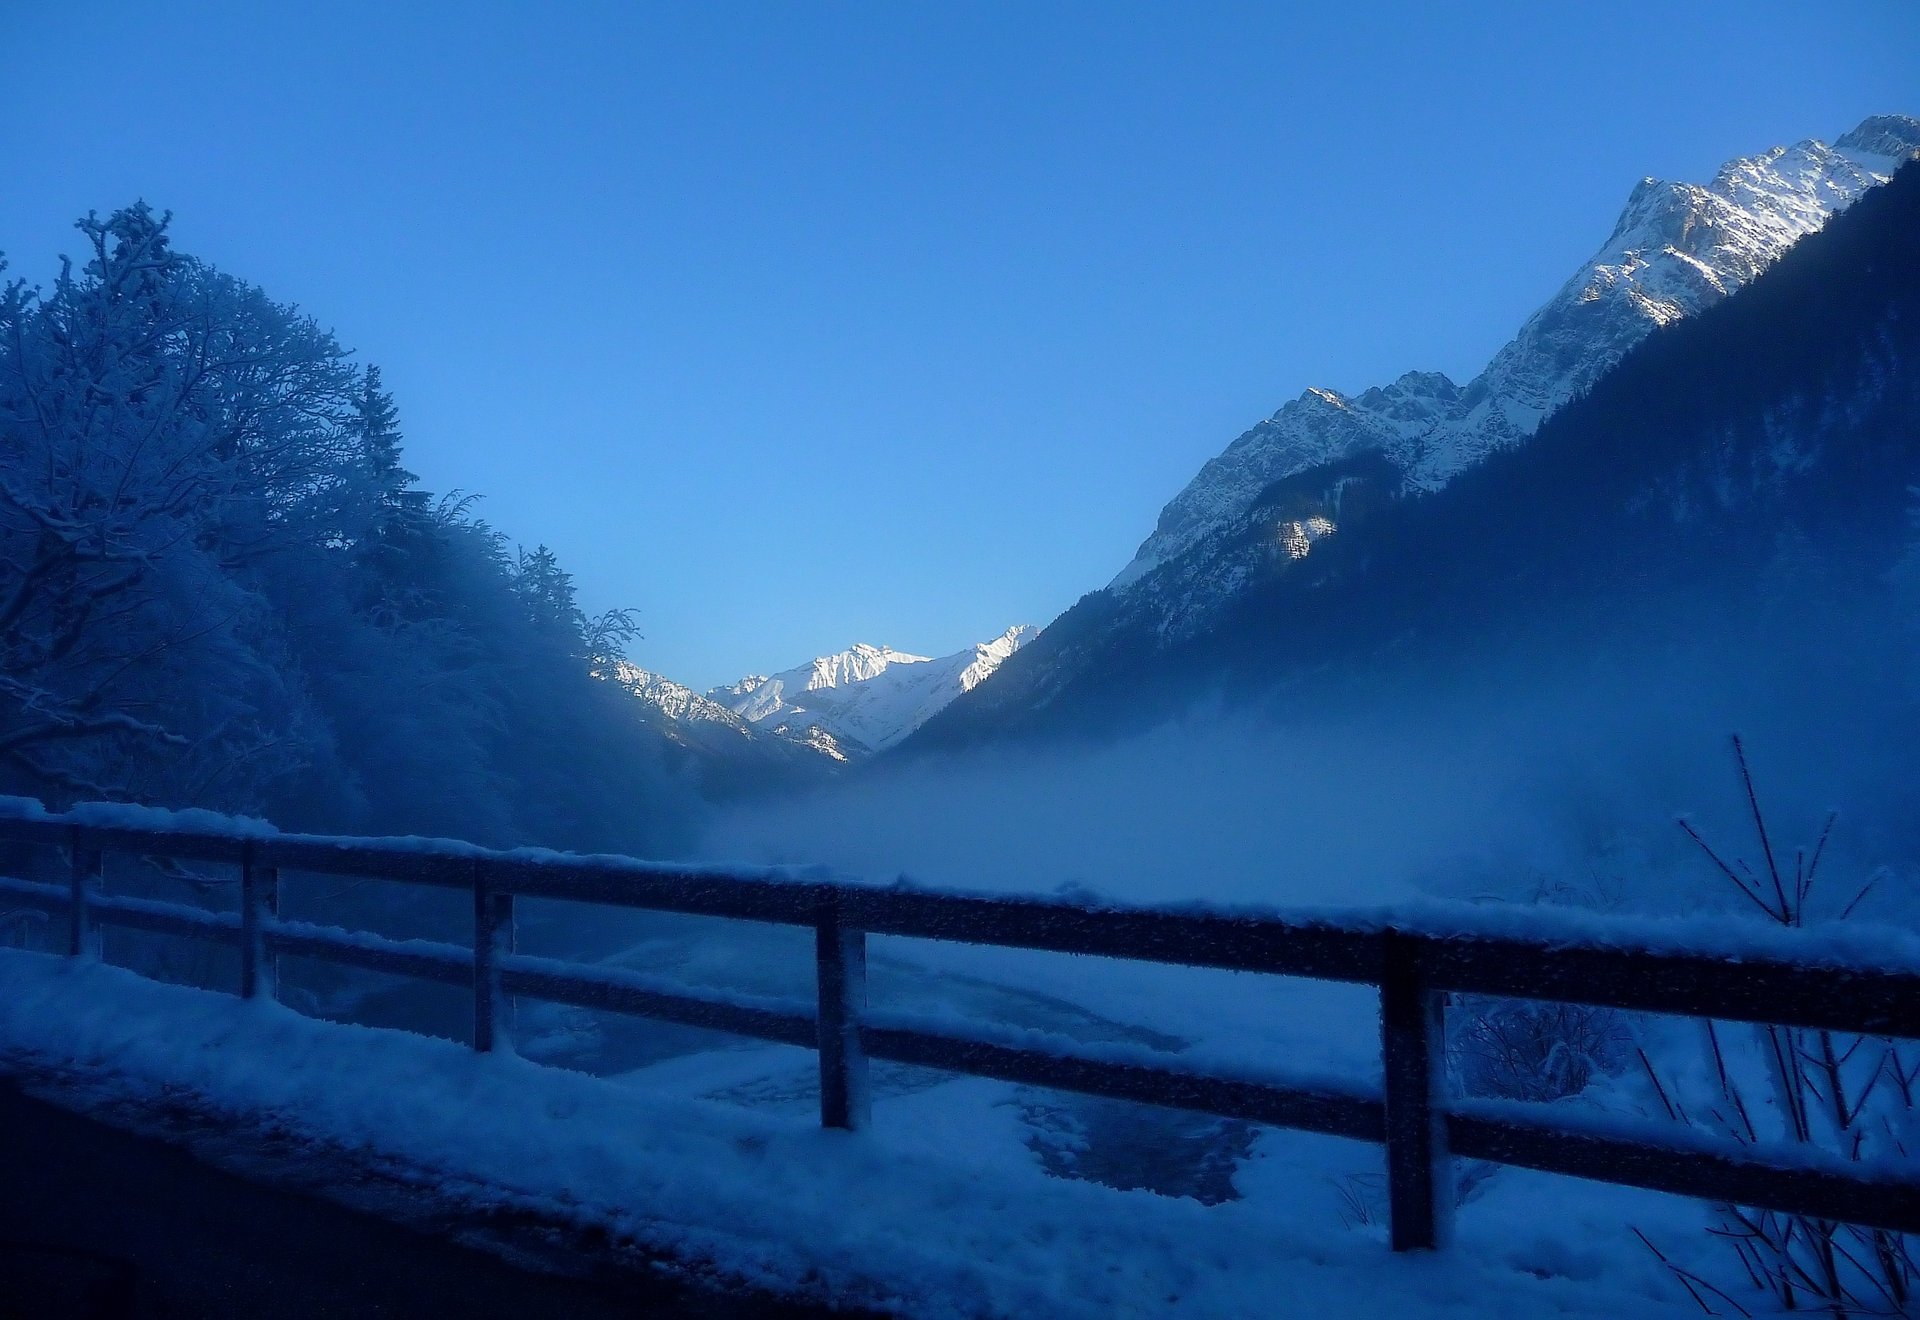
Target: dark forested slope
x,y
1776,432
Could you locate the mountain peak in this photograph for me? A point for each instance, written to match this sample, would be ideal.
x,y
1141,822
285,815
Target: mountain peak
x,y
1654,205
1710,464
1676,249
866,696
1887,137
856,664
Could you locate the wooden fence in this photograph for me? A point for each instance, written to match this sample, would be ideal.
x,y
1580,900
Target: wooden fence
x,y
1414,970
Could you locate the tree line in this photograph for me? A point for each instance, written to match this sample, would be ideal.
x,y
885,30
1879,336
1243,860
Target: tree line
x,y
220,586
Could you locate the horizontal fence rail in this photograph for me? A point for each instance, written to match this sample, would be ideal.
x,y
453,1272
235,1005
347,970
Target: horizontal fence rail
x,y
1414,969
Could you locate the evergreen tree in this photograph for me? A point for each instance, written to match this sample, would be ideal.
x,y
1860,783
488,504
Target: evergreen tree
x,y
401,531
378,423
546,592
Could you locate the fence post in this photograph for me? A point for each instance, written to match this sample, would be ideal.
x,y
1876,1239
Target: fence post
x,y
259,904
492,941
840,955
87,866
1413,1041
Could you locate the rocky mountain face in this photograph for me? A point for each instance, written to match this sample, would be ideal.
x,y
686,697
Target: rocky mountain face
x,y
1261,561
1677,248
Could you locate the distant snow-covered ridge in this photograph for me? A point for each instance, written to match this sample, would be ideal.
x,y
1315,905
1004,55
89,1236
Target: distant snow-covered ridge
x,y
709,730
1676,249
831,711
866,698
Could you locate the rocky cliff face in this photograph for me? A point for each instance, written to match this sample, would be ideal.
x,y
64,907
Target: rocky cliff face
x,y
1304,497
1676,249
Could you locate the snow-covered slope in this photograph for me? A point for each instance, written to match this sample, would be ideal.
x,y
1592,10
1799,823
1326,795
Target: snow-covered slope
x,y
1677,248
710,730
773,731
759,698
866,698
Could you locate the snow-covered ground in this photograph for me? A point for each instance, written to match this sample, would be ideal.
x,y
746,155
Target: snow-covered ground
x,y
967,1196
942,1208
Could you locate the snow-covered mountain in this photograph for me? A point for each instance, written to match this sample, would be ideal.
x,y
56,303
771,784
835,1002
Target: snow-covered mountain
x,y
791,728
760,698
715,735
866,698
1676,249
1300,500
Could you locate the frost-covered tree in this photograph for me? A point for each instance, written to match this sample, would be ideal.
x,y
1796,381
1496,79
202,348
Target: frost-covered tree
x,y
546,590
377,420
221,586
400,530
606,637
138,464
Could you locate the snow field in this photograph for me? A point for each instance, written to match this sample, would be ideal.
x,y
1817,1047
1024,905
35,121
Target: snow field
x,y
939,1210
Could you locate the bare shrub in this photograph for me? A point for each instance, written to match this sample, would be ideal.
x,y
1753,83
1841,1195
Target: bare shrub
x,y
1853,1096
1527,1049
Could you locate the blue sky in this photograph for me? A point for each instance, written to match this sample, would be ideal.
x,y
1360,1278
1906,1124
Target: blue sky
x,y
794,325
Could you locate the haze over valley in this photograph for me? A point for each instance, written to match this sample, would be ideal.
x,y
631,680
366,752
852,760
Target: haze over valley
x,y
1109,940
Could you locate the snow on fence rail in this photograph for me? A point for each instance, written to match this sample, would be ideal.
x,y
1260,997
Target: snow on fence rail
x,y
1782,979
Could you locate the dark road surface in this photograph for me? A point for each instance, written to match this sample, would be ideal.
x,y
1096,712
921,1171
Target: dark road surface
x,y
95,1222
